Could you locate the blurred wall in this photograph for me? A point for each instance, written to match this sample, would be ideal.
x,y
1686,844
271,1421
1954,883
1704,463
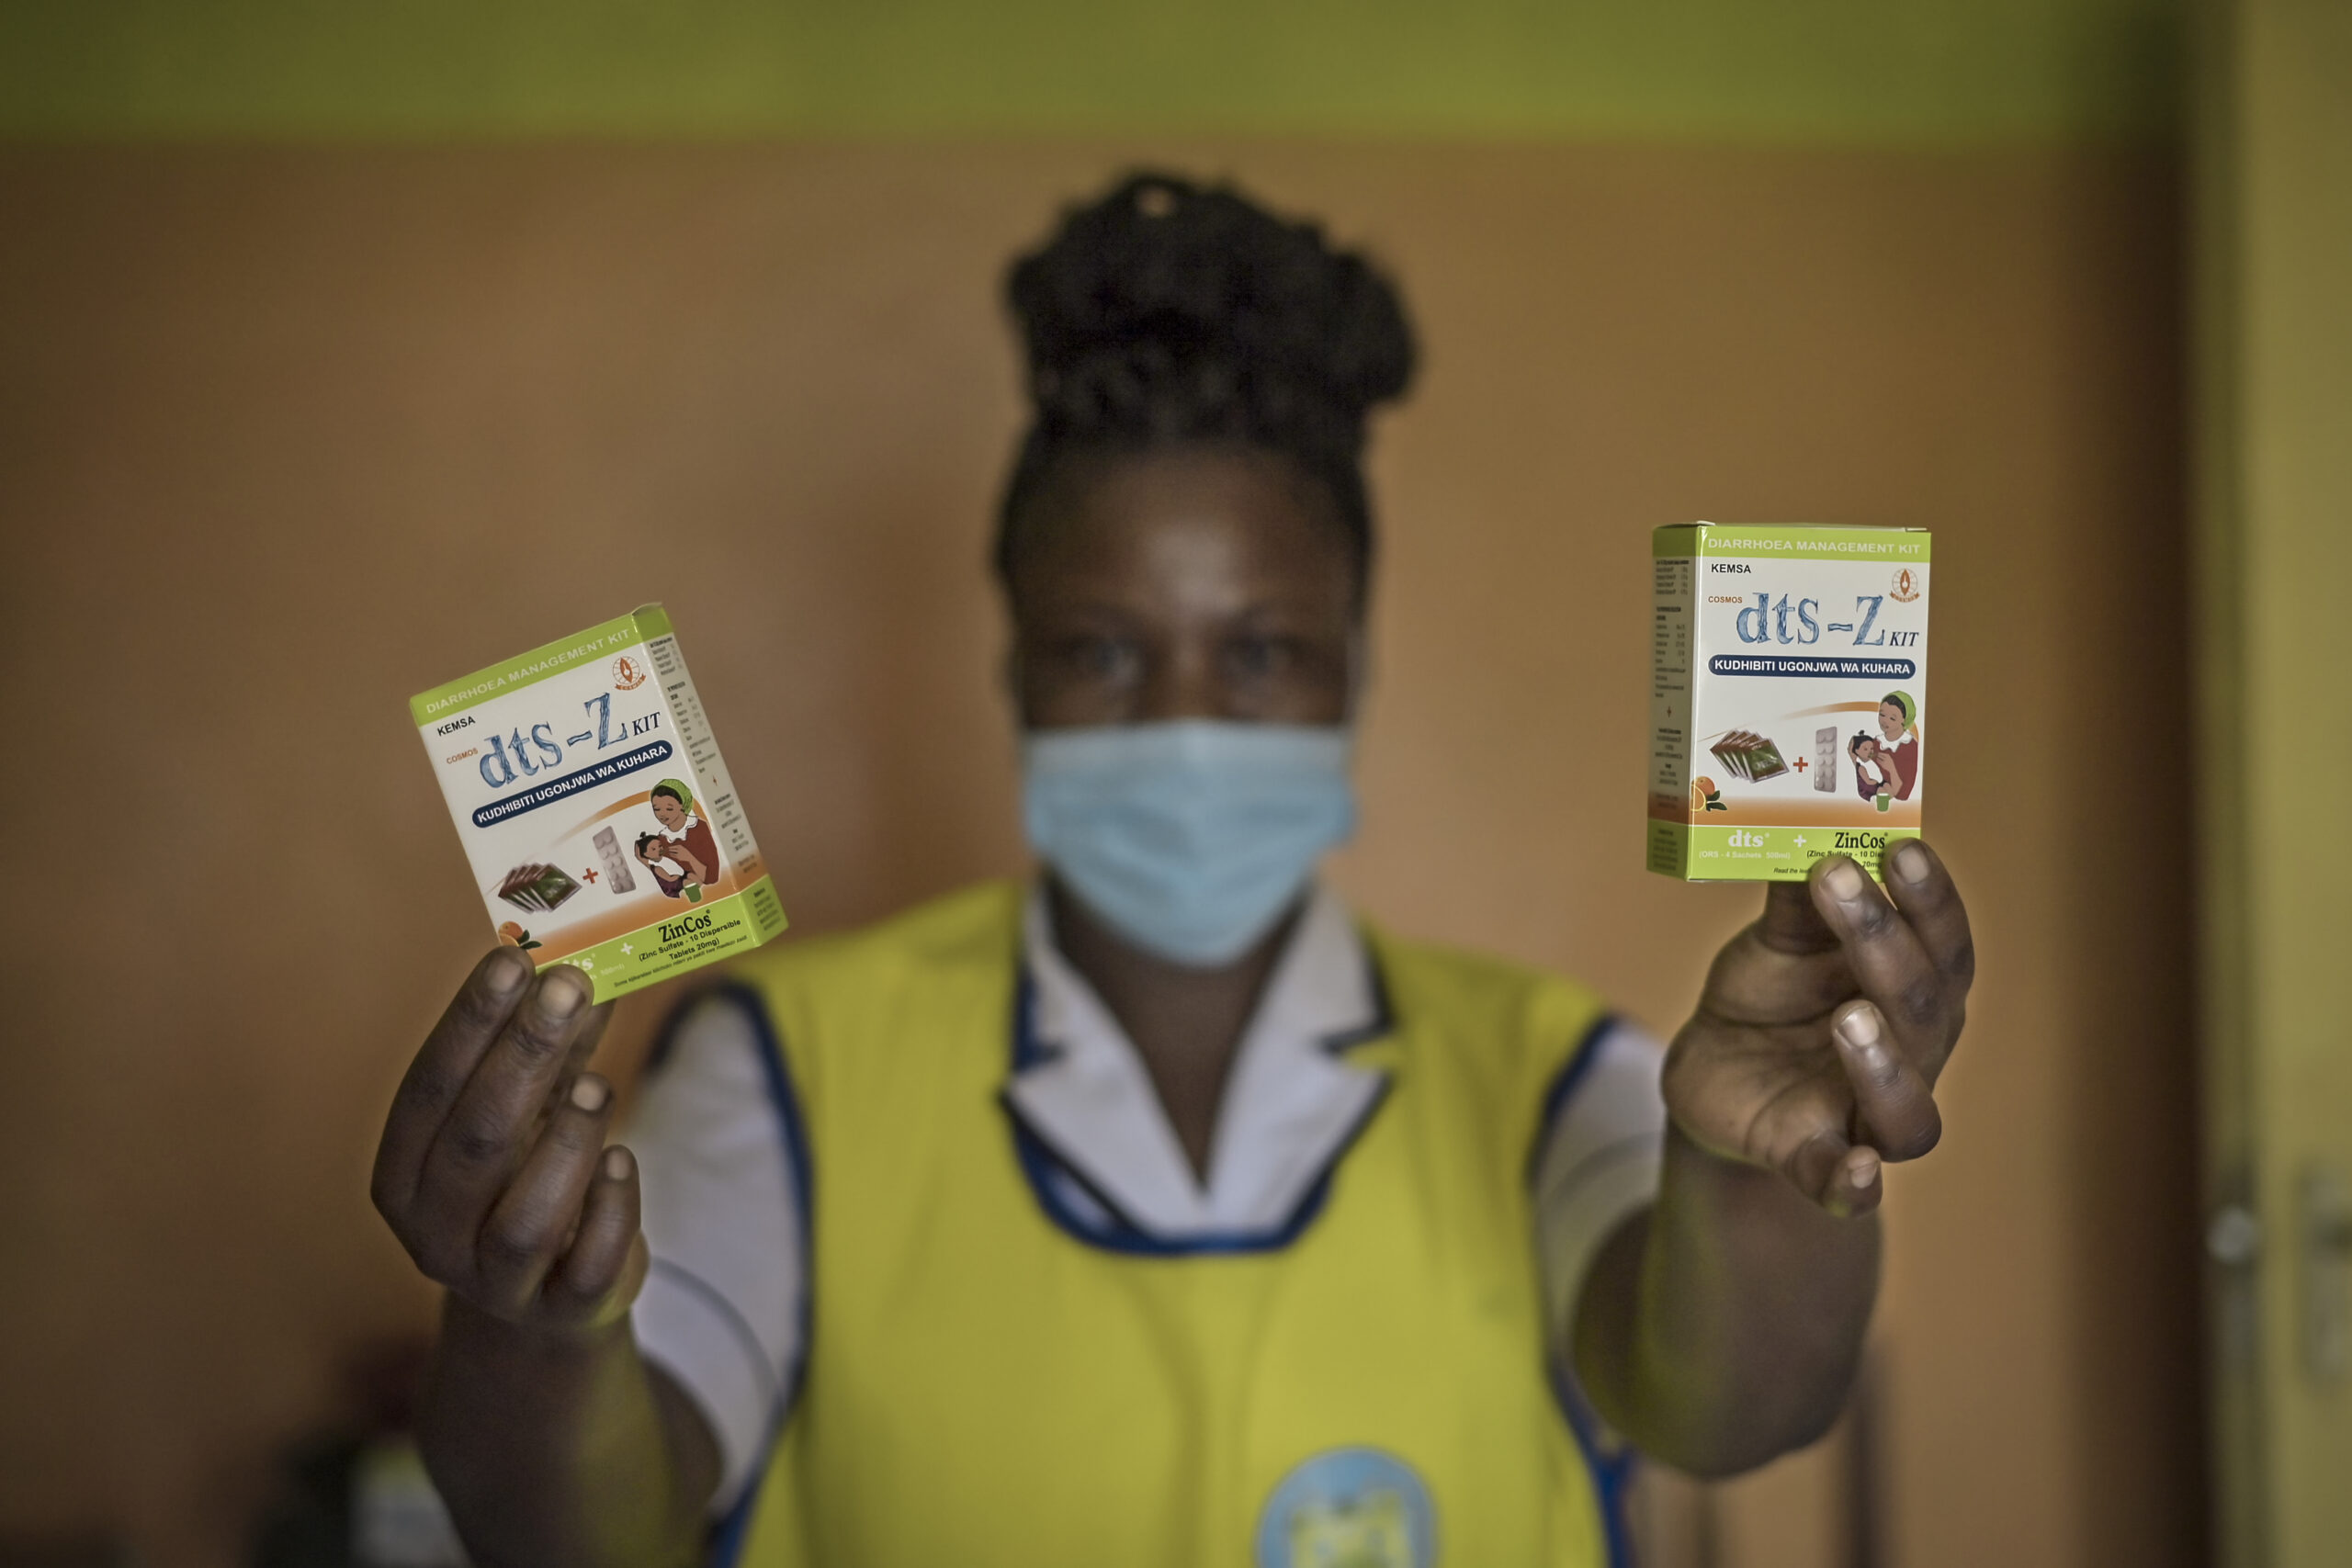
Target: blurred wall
x,y
286,435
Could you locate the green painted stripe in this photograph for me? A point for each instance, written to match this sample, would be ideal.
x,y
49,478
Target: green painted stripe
x,y
1910,72
1789,541
640,625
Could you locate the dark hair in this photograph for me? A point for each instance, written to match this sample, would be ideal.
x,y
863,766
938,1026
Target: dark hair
x,y
1167,314
663,789
1856,743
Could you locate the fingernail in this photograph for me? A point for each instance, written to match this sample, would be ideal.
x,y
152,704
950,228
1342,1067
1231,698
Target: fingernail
x,y
1865,1171
1860,1026
1911,863
619,1163
589,1092
1845,879
562,993
506,973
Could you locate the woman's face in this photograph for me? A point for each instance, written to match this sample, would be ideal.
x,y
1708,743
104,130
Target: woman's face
x,y
1890,719
1190,583
671,815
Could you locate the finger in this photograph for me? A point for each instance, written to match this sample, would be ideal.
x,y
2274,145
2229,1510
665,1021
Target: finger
x,y
490,1128
600,1276
528,1225
1924,891
1898,1109
437,1076
1813,1165
591,1035
1889,963
1857,1186
582,1051
1836,1174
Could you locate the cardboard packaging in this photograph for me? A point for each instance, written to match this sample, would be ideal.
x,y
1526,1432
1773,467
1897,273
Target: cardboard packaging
x,y
596,812
1788,695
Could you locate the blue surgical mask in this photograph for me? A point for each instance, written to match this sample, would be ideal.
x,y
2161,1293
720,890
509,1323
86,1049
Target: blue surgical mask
x,y
1189,839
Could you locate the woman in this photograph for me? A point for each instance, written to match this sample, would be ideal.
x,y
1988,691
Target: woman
x,y
1161,1212
1898,749
694,851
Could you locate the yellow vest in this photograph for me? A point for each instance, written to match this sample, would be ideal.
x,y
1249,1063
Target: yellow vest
x,y
985,1387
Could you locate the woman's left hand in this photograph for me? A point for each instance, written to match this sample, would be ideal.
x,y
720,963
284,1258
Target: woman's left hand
x,y
1817,1044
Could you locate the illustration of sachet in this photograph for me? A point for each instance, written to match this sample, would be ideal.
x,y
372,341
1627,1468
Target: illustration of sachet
x,y
1749,756
616,872
536,888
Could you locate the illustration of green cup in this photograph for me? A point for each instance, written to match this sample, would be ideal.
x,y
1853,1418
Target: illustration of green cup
x,y
1883,801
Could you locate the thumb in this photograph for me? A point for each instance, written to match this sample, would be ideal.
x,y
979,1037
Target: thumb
x,y
1791,923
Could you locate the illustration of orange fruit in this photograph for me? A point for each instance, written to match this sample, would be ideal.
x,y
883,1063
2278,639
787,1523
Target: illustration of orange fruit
x,y
1702,789
511,934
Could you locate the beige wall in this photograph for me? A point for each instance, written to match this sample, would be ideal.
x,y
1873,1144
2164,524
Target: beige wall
x,y
287,435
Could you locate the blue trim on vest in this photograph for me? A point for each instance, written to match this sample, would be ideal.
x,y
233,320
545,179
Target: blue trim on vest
x,y
1041,1163
1612,1473
727,1537
1564,1083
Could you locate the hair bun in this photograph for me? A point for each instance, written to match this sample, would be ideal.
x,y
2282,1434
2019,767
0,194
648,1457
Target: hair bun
x,y
1167,311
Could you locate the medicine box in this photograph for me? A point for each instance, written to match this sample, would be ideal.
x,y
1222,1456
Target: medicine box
x,y
1787,697
597,814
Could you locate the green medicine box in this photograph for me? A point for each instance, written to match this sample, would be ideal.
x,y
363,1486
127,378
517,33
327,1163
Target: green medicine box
x,y
1788,692
598,817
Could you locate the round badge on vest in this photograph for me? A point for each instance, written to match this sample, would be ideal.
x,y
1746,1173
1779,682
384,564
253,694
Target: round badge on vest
x,y
1349,1509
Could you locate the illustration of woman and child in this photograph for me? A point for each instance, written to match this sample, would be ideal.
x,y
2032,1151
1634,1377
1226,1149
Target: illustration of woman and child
x,y
1887,765
692,855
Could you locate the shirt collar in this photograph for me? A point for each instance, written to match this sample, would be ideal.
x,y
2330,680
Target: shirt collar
x,y
1292,1100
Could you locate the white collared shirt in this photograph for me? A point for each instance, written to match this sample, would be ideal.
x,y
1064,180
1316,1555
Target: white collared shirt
x,y
721,1309
1290,1101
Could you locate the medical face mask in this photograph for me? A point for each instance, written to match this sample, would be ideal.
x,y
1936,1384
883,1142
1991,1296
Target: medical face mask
x,y
1189,839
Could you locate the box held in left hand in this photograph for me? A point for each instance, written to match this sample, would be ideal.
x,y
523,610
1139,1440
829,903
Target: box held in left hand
x,y
598,817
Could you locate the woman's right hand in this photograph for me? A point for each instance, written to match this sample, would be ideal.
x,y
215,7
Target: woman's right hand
x,y
493,1171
